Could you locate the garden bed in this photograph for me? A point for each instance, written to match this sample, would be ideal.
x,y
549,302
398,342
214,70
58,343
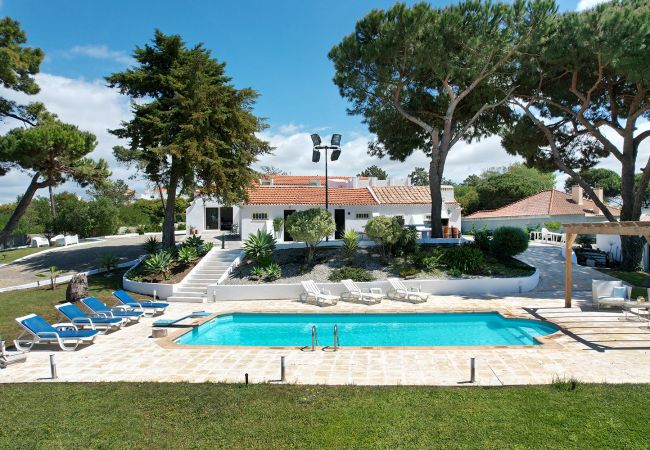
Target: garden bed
x,y
369,260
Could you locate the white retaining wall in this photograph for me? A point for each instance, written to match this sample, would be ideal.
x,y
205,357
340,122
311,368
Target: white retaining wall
x,y
462,287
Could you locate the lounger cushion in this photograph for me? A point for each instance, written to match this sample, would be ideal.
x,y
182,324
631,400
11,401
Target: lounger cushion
x,y
76,333
619,292
154,304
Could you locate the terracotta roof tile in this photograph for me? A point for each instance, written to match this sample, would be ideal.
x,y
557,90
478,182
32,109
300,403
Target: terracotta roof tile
x,y
308,195
401,195
545,203
300,180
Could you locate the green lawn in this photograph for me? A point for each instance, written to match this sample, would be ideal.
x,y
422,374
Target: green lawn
x,y
41,301
12,255
639,280
157,415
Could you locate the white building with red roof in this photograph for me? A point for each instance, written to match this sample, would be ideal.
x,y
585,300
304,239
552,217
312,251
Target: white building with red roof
x,y
352,201
546,206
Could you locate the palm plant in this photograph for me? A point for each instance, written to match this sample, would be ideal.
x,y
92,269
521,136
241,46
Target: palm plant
x,y
53,273
259,246
151,245
350,244
109,262
187,255
158,263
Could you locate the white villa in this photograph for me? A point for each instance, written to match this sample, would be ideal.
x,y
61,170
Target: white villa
x,y
352,201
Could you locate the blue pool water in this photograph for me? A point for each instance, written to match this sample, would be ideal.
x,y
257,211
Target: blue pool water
x,y
377,330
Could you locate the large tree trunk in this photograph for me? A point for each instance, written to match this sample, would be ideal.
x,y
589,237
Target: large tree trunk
x,y
52,204
435,180
168,223
24,202
631,246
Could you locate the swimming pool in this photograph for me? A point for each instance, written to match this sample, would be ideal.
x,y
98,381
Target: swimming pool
x,y
361,330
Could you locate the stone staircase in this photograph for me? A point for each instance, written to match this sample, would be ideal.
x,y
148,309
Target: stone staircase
x,y
194,287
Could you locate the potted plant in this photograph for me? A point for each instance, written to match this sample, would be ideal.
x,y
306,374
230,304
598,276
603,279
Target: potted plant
x,y
278,222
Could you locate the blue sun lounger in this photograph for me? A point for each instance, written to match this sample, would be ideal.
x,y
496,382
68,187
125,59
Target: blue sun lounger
x,y
94,322
38,331
175,322
143,305
101,309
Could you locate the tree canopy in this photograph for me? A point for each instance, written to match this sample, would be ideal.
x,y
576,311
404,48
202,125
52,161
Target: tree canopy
x,y
425,78
606,179
18,65
117,192
374,171
582,91
310,226
51,152
191,127
419,177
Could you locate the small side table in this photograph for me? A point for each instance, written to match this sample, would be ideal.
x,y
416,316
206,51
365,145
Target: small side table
x,y
628,306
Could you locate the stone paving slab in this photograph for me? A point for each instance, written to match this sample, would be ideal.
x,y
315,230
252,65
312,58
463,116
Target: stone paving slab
x,y
598,346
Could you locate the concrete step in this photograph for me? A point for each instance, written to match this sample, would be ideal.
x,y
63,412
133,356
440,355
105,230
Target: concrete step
x,y
192,292
183,299
193,285
203,278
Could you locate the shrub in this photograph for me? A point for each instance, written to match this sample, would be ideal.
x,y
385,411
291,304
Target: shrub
x,y
277,224
272,272
259,246
428,260
408,272
464,259
151,245
585,240
407,242
482,239
141,229
508,241
553,226
194,241
350,245
310,226
181,226
154,228
158,263
187,255
352,273
385,231
109,262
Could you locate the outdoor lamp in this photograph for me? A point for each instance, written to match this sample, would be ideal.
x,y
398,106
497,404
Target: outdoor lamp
x,y
316,139
336,140
315,156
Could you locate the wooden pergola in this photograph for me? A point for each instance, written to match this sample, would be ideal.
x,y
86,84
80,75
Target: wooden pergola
x,y
616,228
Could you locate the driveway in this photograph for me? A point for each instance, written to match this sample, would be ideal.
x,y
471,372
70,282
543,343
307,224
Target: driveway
x,y
548,259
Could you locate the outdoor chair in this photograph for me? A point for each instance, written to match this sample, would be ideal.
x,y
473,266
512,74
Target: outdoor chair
x,y
94,322
38,331
315,295
609,293
401,292
356,294
147,307
7,358
101,309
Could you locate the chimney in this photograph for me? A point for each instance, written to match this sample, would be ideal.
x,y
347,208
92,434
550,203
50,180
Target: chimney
x,y
576,194
599,193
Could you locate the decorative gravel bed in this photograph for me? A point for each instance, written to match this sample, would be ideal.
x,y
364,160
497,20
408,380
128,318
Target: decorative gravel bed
x,y
327,259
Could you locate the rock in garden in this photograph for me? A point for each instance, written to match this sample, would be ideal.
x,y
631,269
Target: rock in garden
x,y
77,288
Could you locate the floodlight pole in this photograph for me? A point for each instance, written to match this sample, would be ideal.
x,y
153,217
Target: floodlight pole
x,y
336,145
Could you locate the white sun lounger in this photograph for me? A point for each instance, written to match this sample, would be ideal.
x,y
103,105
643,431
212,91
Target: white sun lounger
x,y
314,295
356,294
38,331
401,292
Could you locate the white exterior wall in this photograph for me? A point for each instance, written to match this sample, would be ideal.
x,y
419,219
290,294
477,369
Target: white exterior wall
x,y
195,213
521,222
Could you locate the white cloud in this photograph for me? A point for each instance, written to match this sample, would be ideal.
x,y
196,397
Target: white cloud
x,y
99,52
293,154
586,4
92,107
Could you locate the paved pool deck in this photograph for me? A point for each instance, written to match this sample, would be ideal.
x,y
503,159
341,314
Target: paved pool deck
x,y
594,346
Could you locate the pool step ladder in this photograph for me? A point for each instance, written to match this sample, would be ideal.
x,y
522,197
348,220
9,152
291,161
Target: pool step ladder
x,y
314,339
336,345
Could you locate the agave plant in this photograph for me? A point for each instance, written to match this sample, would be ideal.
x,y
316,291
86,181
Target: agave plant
x,y
350,244
194,241
206,248
187,255
259,245
151,245
272,272
256,273
158,263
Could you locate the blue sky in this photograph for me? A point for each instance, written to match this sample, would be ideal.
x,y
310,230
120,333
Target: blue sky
x,y
278,48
